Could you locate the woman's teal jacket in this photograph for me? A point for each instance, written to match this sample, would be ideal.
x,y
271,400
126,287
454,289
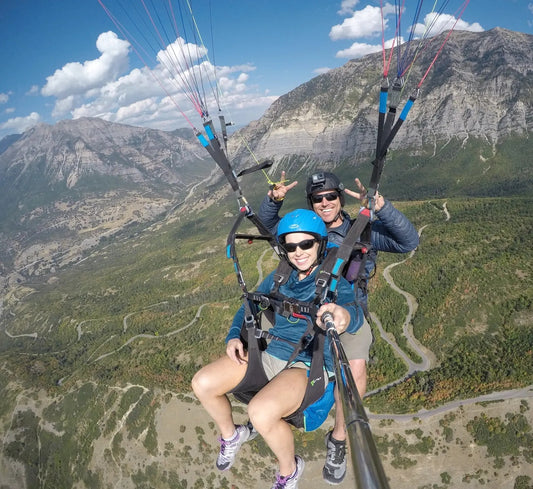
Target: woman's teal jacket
x,y
291,328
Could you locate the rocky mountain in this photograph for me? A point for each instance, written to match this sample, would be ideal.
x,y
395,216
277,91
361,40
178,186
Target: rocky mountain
x,y
66,187
8,141
480,87
72,151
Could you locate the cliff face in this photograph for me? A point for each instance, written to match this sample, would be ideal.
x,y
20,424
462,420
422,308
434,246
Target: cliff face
x,y
480,86
70,150
64,188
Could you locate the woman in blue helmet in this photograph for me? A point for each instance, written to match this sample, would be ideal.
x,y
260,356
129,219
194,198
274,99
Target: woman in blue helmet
x,y
302,236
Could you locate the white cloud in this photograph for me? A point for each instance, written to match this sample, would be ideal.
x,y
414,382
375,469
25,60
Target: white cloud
x,y
9,110
132,87
347,6
367,24
138,109
123,99
363,23
21,124
358,50
154,97
64,106
4,97
77,78
321,71
34,90
173,56
434,24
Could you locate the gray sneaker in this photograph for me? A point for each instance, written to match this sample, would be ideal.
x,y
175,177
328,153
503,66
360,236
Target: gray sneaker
x,y
335,467
290,481
229,448
253,432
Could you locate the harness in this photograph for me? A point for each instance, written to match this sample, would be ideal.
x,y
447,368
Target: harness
x,y
355,269
259,306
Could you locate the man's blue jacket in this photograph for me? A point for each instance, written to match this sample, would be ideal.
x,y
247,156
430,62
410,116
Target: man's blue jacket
x,y
391,232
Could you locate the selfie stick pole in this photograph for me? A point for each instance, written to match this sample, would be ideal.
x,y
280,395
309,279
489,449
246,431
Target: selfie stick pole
x,y
368,471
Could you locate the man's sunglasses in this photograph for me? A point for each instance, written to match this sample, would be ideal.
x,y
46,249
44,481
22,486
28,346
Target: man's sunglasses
x,y
306,244
330,197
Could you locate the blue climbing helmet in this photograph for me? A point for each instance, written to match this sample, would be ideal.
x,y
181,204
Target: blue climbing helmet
x,y
304,221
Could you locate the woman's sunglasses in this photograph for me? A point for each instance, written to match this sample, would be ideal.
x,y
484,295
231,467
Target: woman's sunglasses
x,y
306,244
330,197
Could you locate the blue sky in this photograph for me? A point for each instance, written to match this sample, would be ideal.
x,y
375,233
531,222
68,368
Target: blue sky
x,y
59,59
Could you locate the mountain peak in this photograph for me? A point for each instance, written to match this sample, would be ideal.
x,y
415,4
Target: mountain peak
x,y
479,86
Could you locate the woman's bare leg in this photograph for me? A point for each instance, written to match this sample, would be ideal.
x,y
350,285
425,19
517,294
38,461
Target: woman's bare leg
x,y
210,385
279,398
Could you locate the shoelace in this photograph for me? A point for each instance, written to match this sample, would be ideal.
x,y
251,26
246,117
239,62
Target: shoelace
x,y
281,480
226,444
230,445
338,452
223,445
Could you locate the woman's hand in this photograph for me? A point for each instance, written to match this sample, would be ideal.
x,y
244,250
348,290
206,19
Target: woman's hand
x,y
341,316
235,350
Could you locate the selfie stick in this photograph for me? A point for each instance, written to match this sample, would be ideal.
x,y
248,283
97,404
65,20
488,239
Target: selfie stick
x,y
368,471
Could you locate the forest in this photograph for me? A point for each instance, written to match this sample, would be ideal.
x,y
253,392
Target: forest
x,y
153,311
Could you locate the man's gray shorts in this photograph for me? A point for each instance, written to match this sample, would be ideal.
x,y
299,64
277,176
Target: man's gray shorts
x,y
357,345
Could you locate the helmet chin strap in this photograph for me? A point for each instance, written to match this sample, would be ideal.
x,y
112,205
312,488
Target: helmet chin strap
x,y
310,269
338,216
307,272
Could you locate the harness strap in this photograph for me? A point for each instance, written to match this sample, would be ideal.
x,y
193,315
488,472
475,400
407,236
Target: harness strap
x,y
287,307
315,382
262,334
214,148
305,339
254,378
337,258
282,274
282,305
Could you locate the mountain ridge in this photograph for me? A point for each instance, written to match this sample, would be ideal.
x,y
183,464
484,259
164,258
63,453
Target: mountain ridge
x,y
80,181
73,148
479,87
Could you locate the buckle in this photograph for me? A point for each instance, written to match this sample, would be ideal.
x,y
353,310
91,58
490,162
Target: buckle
x,y
322,282
249,321
290,308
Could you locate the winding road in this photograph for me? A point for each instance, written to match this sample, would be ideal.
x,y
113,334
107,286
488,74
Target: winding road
x,y
428,359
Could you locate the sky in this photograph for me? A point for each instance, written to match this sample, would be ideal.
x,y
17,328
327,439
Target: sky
x,y
64,59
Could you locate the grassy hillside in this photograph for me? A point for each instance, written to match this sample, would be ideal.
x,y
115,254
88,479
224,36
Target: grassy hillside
x,y
95,356
472,277
130,311
458,167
